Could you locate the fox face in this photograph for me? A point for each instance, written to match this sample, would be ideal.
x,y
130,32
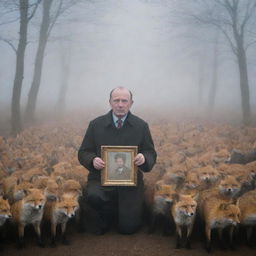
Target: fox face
x,y
52,190
230,213
208,175
19,191
221,156
191,181
67,206
5,212
229,186
163,198
72,186
175,175
184,208
35,199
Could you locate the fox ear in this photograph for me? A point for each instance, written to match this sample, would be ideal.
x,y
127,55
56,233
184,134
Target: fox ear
x,y
19,181
59,180
195,196
176,197
235,201
59,198
224,206
158,185
28,191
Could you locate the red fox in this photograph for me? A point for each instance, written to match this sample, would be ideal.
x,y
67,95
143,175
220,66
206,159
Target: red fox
x,y
59,212
72,186
19,191
184,211
191,184
219,214
175,175
29,210
229,187
5,212
208,176
162,201
52,190
247,205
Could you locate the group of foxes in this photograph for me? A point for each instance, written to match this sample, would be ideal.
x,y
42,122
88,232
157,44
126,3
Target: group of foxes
x,y
34,197
223,197
41,180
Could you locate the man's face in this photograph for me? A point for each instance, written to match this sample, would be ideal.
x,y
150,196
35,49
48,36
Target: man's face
x,y
119,162
120,102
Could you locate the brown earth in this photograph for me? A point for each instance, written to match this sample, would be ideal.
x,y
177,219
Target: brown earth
x,y
115,244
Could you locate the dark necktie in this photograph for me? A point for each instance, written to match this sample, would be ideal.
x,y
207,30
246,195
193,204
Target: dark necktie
x,y
119,123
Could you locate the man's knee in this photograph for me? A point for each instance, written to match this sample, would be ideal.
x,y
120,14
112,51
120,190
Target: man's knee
x,y
94,200
129,228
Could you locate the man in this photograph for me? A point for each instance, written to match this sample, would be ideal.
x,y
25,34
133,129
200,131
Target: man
x,y
121,172
119,127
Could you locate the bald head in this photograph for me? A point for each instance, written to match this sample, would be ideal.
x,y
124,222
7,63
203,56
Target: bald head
x,y
120,101
120,88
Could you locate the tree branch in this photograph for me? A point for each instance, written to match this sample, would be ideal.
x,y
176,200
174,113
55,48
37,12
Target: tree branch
x,y
250,44
249,12
9,43
55,17
34,10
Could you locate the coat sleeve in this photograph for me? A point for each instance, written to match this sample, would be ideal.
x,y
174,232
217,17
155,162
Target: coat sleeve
x,y
148,150
87,151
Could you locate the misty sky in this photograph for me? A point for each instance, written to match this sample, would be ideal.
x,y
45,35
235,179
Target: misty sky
x,y
127,43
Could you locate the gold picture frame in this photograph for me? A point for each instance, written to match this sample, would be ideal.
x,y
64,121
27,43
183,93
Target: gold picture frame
x,y
119,169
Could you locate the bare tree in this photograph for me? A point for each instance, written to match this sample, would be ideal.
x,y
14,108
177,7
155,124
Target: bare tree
x,y
201,78
236,20
43,37
65,72
49,18
214,82
25,17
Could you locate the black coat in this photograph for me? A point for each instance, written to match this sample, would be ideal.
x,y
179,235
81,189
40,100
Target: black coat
x,y
102,131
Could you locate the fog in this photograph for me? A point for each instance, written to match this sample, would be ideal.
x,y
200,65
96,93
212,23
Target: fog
x,y
136,44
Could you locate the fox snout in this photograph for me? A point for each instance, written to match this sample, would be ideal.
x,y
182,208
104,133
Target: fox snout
x,y
235,222
207,179
6,216
38,206
71,215
190,214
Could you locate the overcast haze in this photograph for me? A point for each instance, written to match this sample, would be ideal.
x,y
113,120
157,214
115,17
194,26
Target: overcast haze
x,y
130,43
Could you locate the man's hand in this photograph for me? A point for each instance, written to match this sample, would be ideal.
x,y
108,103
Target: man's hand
x,y
98,163
139,159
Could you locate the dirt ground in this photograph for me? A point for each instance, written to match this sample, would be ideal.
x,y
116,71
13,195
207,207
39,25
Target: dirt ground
x,y
115,244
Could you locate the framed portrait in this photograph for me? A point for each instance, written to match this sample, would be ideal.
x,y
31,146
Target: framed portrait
x,y
120,169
